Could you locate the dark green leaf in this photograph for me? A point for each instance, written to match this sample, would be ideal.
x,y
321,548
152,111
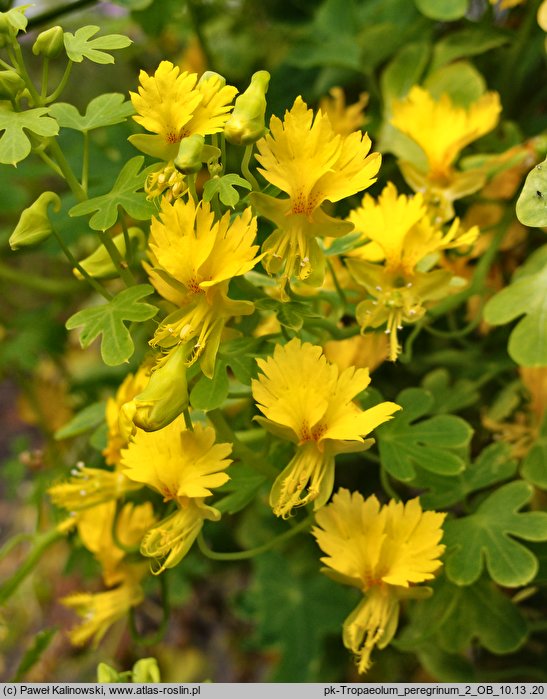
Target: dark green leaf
x,y
87,419
528,340
493,465
403,71
104,110
487,535
14,143
225,188
454,616
449,397
405,444
443,10
470,41
534,465
80,45
209,394
242,487
123,194
108,320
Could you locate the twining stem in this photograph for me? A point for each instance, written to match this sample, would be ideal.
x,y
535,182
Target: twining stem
x,y
121,266
45,77
41,544
225,432
127,241
188,420
337,286
156,637
48,286
191,181
74,262
251,553
85,162
245,167
69,176
61,86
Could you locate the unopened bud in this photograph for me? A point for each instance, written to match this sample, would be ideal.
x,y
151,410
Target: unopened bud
x,y
105,673
220,79
34,224
49,43
246,123
10,84
146,670
99,264
166,395
188,160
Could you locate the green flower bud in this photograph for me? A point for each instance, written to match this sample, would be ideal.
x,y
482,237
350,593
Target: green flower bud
x,y
188,160
10,84
99,264
49,43
166,395
105,673
246,123
146,670
34,225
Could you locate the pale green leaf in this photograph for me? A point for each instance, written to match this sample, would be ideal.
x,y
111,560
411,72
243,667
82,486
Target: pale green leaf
x,y
123,194
109,319
470,41
461,81
104,110
14,143
486,537
442,10
80,45
526,296
225,188
532,202
208,394
87,419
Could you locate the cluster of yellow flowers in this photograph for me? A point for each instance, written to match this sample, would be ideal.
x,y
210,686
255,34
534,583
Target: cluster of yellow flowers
x,y
194,251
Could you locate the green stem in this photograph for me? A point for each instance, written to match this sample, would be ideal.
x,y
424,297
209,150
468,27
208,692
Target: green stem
x,y
251,553
188,420
337,286
116,539
335,332
48,161
69,176
74,262
85,162
45,77
5,64
245,167
121,266
386,485
223,152
225,432
18,56
61,86
43,284
191,181
41,544
13,542
127,241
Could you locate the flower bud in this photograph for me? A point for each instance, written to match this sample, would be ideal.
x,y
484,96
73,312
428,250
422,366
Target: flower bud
x,y
105,673
50,43
246,123
34,225
211,74
99,264
166,395
188,160
146,670
10,84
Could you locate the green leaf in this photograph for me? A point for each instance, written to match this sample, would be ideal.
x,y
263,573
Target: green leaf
x,y
404,445
443,10
242,487
493,465
470,41
80,45
209,394
240,355
14,143
528,340
34,653
104,110
87,419
534,465
461,81
454,616
123,194
109,319
532,202
292,611
225,188
403,71
487,535
443,666
449,397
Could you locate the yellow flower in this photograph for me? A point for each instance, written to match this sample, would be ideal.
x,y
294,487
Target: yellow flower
x,y
118,430
171,105
99,611
441,128
307,159
196,257
183,466
344,118
399,232
383,551
308,401
89,487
